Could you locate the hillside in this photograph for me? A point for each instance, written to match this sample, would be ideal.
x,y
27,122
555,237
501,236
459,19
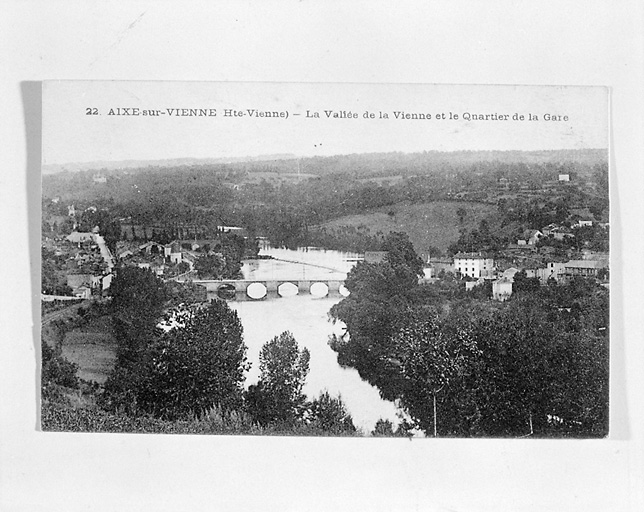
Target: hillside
x,y
434,224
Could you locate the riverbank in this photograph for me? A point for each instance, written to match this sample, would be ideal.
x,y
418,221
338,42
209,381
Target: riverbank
x,y
306,317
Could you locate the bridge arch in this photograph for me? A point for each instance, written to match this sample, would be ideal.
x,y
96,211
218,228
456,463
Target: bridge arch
x,y
288,289
319,289
256,291
226,291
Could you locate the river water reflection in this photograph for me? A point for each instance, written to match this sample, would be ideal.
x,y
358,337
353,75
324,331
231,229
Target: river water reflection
x,y
306,317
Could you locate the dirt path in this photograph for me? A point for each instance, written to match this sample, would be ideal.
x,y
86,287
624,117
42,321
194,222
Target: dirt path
x,y
62,313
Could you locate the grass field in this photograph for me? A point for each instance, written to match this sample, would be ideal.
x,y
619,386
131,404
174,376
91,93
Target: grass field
x,y
433,224
93,348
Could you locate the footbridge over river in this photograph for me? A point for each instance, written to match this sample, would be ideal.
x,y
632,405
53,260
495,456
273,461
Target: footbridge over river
x,y
261,289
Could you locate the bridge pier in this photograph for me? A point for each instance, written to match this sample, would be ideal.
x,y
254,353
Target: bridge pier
x,y
304,287
272,289
334,288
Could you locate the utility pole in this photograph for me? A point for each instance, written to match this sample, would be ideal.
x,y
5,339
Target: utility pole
x,y
435,427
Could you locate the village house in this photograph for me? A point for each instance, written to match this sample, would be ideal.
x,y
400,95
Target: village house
x,y
501,289
584,268
172,252
428,274
232,229
55,221
509,273
83,292
439,265
553,270
189,259
151,248
531,268
550,228
107,281
75,281
470,285
124,254
474,264
77,238
530,237
557,231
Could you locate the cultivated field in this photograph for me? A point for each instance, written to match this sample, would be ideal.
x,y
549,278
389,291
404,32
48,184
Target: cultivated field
x,y
93,348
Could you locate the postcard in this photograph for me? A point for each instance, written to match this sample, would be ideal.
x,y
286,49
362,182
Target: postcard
x,y
319,259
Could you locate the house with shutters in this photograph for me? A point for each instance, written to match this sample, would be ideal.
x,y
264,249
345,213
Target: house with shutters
x,y
474,264
584,268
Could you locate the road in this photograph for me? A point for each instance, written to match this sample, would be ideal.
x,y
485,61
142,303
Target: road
x,y
105,252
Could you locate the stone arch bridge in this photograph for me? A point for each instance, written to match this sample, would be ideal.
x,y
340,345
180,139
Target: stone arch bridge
x,y
259,289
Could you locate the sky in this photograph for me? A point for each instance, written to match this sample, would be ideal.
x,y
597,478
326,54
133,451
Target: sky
x,y
81,121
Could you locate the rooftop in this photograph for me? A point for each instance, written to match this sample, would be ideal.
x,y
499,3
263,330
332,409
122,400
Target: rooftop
x,y
471,255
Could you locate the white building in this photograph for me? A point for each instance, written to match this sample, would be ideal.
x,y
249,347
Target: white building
x,y
473,264
502,289
172,251
554,270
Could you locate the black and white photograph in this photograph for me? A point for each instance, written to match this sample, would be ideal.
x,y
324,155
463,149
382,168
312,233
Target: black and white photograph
x,y
355,260
305,256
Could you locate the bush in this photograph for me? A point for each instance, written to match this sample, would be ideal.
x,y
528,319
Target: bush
x,y
56,370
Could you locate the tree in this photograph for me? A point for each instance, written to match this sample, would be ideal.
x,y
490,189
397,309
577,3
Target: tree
x,y
232,249
402,256
543,368
383,428
182,267
210,266
137,303
194,366
56,371
523,283
51,282
225,264
330,415
460,365
374,311
278,396
432,357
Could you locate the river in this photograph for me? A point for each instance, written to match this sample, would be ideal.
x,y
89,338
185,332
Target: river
x,y
306,317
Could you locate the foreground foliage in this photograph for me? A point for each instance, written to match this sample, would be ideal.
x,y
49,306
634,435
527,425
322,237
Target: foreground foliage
x,y
181,369
462,365
278,396
186,370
